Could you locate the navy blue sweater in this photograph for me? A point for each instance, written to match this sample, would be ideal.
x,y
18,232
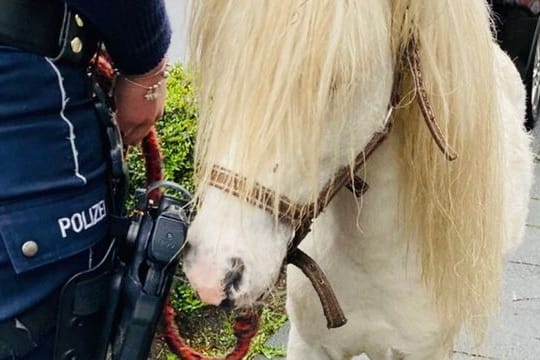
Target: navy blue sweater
x,y
137,33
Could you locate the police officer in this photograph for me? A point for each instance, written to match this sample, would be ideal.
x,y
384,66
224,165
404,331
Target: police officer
x,y
53,155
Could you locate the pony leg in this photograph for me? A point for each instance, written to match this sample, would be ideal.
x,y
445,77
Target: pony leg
x,y
299,349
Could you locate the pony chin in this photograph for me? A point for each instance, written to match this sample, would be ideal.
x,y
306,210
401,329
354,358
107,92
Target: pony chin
x,y
217,251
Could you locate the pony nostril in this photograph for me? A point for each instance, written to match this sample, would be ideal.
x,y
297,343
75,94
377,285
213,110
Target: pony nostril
x,y
227,304
234,276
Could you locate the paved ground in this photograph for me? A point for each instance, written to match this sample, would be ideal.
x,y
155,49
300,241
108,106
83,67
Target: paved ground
x,y
515,335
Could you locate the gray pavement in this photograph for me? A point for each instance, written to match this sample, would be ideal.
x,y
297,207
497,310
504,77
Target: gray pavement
x,y
515,333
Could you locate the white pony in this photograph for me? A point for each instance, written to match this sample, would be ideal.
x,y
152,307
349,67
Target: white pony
x,y
290,92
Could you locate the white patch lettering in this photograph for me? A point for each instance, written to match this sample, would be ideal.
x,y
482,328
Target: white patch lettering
x,y
83,220
76,222
64,224
86,224
102,211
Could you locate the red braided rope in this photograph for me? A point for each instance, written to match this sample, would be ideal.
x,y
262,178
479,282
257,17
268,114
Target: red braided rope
x,y
246,325
245,328
153,162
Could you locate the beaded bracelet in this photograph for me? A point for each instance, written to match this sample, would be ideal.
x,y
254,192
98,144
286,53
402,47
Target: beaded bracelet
x,y
153,91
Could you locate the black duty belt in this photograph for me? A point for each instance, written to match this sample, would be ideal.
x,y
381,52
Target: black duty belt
x,y
48,28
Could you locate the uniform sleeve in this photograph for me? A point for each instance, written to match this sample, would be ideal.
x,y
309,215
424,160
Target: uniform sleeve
x,y
137,33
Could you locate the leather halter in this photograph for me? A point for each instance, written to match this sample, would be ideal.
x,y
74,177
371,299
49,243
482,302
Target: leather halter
x,y
300,217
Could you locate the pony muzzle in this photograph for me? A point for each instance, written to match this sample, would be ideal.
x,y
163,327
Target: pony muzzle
x,y
211,287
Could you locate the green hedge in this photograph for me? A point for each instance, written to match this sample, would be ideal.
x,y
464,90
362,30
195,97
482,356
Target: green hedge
x,y
176,133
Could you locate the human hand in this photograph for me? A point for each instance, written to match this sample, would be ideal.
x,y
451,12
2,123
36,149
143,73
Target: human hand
x,y
140,100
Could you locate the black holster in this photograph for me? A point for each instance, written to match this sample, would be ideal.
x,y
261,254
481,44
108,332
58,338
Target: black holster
x,y
154,243
119,303
86,311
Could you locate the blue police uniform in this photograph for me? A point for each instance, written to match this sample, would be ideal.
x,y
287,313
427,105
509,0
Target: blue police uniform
x,y
53,202
53,198
53,178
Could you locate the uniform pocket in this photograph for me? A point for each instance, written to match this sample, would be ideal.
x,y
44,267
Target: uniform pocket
x,y
39,232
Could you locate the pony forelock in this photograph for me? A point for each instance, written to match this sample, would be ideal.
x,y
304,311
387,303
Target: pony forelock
x,y
271,74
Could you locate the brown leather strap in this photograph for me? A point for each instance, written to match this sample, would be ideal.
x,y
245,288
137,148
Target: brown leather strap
x,y
260,196
300,217
358,186
331,308
413,58
341,179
